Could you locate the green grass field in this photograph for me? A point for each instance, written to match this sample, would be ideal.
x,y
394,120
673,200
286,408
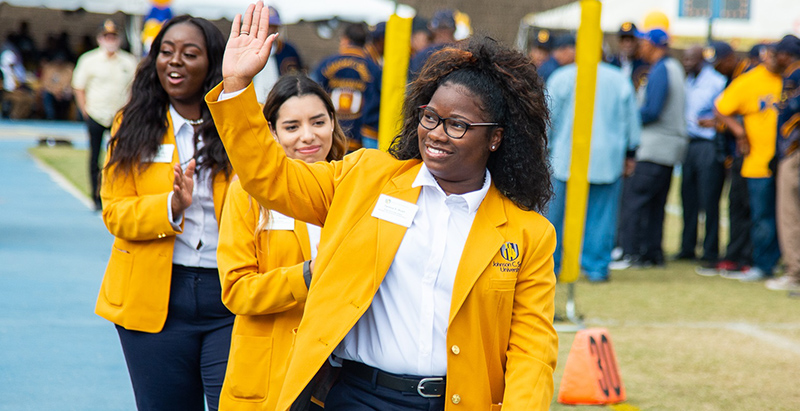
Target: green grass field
x,y
683,342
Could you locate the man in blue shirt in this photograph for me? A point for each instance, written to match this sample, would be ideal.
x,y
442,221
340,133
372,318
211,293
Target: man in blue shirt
x,y
703,170
443,30
662,145
539,46
615,135
627,59
563,54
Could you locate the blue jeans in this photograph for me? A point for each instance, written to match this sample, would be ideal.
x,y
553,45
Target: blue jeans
x,y
601,223
763,231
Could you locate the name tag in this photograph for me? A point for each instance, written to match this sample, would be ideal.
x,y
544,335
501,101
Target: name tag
x,y
164,154
395,210
278,221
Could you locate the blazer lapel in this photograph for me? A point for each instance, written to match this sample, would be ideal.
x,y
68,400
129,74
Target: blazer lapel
x,y
483,243
390,234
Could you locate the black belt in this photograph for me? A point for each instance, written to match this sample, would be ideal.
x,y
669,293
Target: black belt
x,y
430,387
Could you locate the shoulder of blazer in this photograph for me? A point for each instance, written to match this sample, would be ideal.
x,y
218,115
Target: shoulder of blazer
x,y
371,163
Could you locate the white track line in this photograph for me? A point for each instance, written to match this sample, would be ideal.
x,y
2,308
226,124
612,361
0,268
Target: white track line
x,y
760,332
63,182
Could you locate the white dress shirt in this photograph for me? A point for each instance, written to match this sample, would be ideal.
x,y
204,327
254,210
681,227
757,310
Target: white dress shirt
x,y
197,245
404,331
314,232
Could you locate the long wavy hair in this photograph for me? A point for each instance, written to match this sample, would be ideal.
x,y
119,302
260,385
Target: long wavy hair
x,y
512,94
144,117
299,85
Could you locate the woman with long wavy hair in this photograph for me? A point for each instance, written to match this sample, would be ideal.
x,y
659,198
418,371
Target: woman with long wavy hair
x,y
163,190
433,287
262,251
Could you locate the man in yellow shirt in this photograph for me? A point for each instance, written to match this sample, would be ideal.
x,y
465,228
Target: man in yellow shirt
x,y
753,95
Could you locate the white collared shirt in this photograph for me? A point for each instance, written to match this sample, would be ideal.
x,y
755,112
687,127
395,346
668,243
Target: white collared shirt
x,y
196,246
404,331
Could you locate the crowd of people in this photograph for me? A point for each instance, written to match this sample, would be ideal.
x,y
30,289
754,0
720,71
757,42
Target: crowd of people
x,y
713,114
36,81
266,256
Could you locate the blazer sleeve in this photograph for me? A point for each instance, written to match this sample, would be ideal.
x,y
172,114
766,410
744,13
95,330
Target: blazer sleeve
x,y
533,342
245,290
291,187
126,213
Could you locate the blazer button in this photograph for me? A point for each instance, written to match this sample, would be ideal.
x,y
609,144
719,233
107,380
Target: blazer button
x,y
455,350
456,398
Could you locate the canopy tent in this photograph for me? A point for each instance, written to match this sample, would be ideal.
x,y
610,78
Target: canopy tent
x,y
292,11
769,19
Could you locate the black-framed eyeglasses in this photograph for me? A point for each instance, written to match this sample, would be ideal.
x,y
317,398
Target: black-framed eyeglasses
x,y
454,128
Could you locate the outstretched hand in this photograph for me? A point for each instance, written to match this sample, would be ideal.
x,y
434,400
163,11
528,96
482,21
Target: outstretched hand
x,y
248,48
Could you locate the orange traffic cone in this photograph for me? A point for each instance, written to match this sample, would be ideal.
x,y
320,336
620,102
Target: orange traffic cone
x,y
591,375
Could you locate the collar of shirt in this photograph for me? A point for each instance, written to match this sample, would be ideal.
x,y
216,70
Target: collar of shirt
x,y
473,198
177,121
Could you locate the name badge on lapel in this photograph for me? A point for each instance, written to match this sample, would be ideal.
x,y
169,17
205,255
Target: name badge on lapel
x,y
278,221
395,210
164,154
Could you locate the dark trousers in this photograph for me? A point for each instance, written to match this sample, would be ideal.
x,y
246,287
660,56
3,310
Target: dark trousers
x,y
185,362
96,131
352,393
644,208
740,249
701,188
54,107
763,228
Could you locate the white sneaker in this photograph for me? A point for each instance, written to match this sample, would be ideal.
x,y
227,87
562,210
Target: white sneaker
x,y
752,275
621,264
616,254
785,283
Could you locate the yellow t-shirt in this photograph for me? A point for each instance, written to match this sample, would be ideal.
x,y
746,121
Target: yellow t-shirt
x,y
106,81
753,96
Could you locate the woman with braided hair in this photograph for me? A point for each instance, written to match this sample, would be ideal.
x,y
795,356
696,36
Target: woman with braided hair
x,y
433,286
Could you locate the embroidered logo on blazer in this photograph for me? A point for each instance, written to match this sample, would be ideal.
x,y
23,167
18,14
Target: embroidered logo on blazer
x,y
509,251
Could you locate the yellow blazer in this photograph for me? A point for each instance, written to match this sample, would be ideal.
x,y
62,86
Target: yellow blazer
x,y
135,289
262,283
503,346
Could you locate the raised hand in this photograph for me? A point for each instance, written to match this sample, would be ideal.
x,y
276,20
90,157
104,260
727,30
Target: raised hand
x,y
248,48
182,188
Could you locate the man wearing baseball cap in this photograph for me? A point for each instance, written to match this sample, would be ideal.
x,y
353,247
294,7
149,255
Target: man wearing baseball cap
x,y
443,30
738,250
101,83
563,54
628,57
539,46
787,53
662,145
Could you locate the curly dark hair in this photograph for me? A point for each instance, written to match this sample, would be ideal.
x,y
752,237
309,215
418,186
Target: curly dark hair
x,y
144,117
512,94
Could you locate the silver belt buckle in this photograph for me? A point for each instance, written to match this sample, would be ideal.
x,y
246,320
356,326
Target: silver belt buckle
x,y
423,381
